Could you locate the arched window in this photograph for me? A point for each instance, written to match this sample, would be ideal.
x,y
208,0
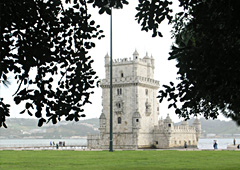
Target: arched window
x,y
119,120
122,74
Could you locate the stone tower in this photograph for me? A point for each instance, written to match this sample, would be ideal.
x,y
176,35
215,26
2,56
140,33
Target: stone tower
x,y
135,106
136,110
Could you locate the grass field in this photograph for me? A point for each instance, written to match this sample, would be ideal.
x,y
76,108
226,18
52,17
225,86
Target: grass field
x,y
119,160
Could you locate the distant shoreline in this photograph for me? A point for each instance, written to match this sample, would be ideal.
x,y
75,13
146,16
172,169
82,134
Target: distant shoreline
x,y
85,137
80,137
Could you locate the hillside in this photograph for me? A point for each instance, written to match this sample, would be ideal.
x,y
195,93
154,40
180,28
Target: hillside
x,y
217,127
27,128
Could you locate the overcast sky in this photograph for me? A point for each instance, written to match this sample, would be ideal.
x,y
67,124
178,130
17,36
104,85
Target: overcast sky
x,y
127,36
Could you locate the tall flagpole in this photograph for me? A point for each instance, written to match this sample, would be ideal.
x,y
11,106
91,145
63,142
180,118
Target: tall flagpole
x,y
111,129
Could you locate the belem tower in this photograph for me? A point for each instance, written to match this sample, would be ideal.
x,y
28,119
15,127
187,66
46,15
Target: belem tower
x,y
136,110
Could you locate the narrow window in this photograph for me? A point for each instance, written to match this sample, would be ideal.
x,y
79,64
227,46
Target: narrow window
x,y
119,91
137,120
118,105
146,91
156,142
119,120
169,125
121,74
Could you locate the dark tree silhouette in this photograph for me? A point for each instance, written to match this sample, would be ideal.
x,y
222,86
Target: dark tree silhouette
x,y
207,50
47,40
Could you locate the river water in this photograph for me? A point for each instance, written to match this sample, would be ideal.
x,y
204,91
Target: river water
x,y
202,143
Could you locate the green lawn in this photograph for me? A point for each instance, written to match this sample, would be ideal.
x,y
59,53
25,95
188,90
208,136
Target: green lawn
x,y
119,160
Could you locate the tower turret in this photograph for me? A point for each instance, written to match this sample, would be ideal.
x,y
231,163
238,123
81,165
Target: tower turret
x,y
135,55
160,123
147,58
107,59
107,65
149,65
102,122
152,61
197,125
136,120
168,124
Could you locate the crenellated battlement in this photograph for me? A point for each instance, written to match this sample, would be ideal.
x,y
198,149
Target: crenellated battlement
x,y
130,61
175,129
185,129
135,59
123,60
131,79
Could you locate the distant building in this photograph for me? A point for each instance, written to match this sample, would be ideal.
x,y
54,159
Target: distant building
x,y
136,110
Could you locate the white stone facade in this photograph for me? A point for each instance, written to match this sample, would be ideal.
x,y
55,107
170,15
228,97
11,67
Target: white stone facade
x,y
136,110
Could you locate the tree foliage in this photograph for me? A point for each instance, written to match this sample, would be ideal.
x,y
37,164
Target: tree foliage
x,y
207,53
40,40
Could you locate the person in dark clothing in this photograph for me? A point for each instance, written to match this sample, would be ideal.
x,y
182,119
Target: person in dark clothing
x,y
185,144
215,144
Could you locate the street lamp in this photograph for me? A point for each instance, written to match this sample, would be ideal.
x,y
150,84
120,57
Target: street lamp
x,y
111,128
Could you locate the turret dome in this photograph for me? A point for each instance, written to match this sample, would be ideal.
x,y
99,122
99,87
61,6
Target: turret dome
x,y
136,115
102,116
135,53
168,119
146,57
107,56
